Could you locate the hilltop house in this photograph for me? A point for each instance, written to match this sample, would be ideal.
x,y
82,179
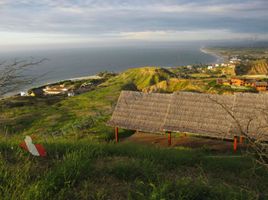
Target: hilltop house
x,y
261,86
238,82
243,82
56,89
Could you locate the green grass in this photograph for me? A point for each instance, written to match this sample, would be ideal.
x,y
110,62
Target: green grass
x,y
86,170
84,163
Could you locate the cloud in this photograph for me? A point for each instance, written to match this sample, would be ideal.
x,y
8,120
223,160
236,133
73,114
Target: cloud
x,y
132,19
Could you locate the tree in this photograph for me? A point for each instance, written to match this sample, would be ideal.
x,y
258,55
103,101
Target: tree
x,y
12,75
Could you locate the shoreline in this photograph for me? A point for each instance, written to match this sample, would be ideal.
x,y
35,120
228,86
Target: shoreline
x,y
80,78
219,59
26,89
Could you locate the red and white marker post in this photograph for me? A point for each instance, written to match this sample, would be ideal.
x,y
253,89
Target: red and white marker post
x,y
34,149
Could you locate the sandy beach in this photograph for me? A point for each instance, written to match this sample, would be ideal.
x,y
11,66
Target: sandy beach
x,y
220,59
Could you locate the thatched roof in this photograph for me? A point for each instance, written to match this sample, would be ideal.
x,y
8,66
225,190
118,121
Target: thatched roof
x,y
140,111
203,114
199,113
251,111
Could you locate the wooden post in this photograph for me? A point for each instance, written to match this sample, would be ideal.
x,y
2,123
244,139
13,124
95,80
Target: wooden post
x,y
116,135
235,143
169,138
241,138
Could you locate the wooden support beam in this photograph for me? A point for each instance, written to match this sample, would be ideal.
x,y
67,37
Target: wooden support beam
x,y
169,138
116,135
241,139
235,143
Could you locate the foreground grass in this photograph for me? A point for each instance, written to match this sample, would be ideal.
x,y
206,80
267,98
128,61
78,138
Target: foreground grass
x,y
85,170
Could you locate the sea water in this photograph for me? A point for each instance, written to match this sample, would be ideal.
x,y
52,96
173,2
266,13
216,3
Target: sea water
x,y
66,63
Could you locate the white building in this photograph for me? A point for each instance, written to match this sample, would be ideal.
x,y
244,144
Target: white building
x,y
23,94
71,94
210,67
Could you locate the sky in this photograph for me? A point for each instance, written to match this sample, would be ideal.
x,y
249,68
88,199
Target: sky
x,y
60,22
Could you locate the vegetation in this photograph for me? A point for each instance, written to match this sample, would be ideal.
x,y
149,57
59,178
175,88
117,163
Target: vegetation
x,y
254,61
86,114
84,163
251,53
255,67
85,170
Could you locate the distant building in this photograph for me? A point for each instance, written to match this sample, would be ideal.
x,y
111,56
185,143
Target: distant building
x,y
210,67
235,60
71,94
261,86
237,82
54,90
250,82
189,67
23,94
219,81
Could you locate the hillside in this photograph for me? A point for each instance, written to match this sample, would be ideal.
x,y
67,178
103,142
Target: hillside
x,y
257,67
88,112
140,78
83,162
83,113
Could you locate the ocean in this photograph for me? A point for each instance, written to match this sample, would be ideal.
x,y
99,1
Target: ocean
x,y
69,63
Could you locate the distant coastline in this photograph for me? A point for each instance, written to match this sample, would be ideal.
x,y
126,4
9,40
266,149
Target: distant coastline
x,y
219,58
78,63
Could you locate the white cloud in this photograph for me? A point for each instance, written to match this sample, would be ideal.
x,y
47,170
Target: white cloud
x,y
50,21
188,35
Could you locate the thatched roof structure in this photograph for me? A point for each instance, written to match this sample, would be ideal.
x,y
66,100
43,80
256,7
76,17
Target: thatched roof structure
x,y
251,112
199,113
221,116
140,111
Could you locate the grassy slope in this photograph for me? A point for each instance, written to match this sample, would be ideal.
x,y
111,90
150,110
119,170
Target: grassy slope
x,y
86,113
194,85
79,168
258,67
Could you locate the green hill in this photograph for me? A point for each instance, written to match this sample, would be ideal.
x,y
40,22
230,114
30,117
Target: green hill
x,y
140,78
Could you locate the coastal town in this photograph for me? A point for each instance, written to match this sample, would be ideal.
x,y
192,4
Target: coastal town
x,y
68,88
